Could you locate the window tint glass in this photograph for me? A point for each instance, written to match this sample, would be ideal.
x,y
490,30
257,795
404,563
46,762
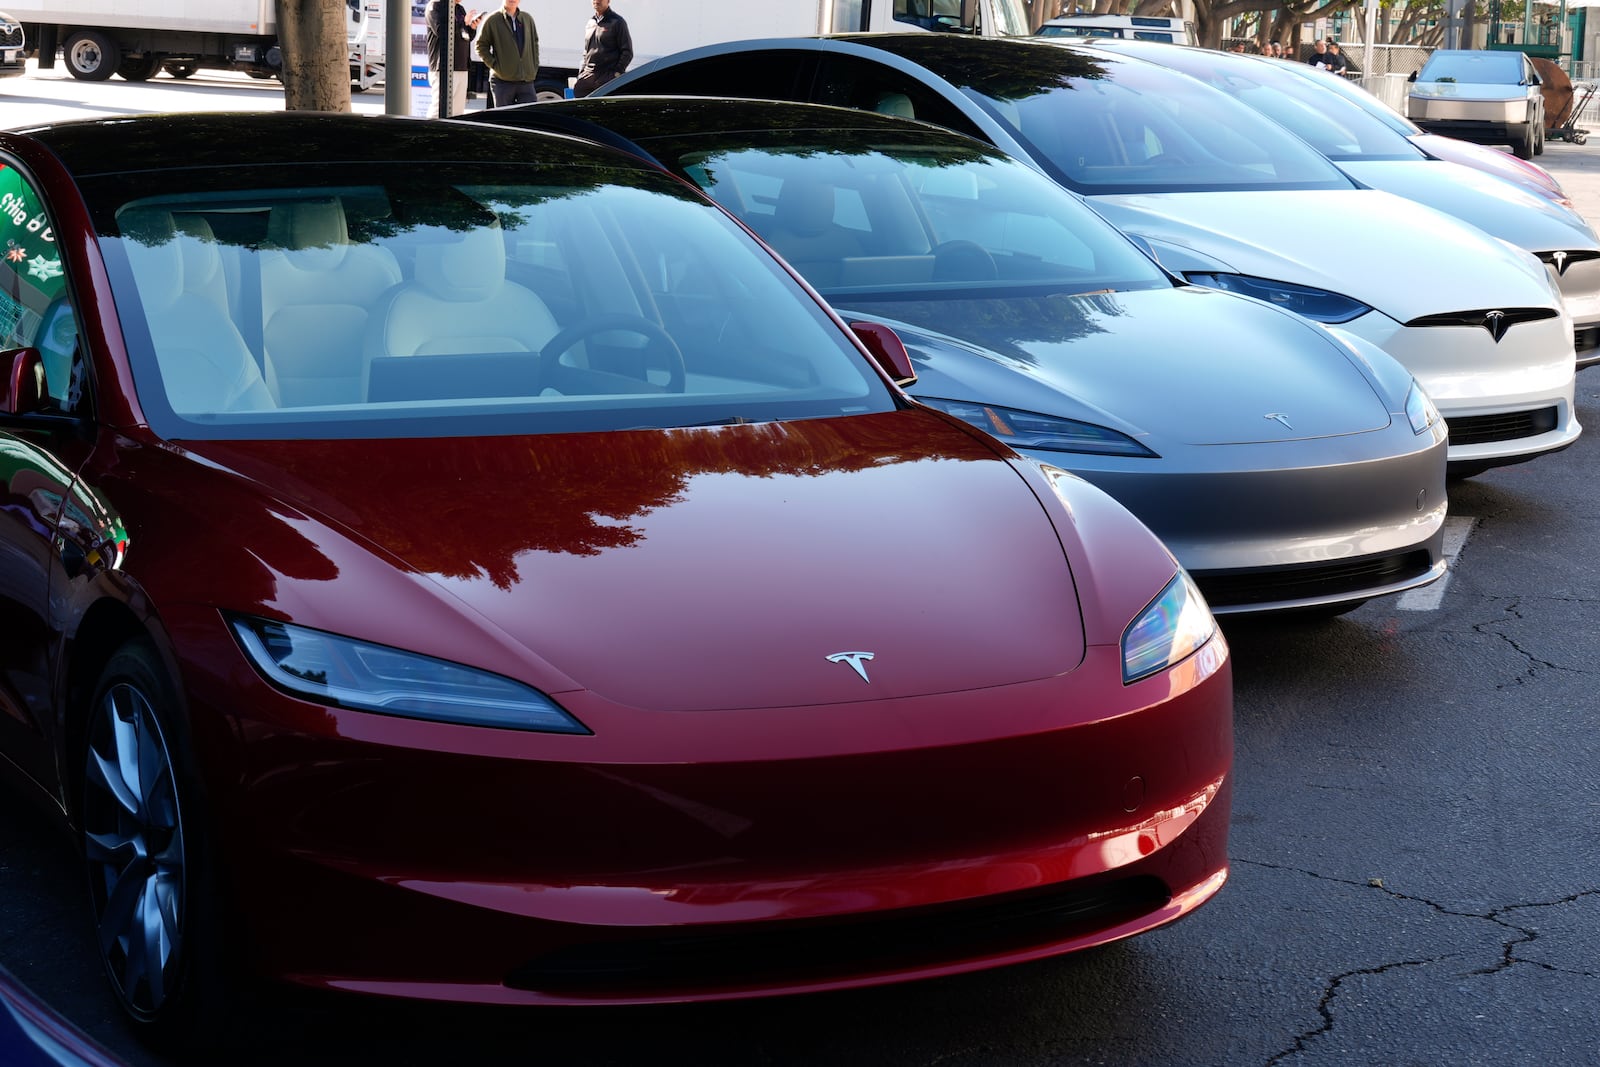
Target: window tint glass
x,y
35,305
464,300
1505,67
910,218
765,75
1146,129
866,85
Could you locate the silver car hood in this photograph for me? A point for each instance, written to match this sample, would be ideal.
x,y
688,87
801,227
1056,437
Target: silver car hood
x,y
1492,204
1395,255
1169,367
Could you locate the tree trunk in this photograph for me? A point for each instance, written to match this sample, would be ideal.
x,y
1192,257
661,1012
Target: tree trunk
x,y
316,55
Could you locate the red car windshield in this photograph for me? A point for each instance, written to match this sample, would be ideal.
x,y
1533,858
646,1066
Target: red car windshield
x,y
436,302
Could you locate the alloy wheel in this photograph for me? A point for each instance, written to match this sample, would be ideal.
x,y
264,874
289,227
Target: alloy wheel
x,y
133,840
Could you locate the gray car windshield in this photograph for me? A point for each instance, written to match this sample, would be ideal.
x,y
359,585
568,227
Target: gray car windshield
x,y
450,300
1502,68
912,219
1139,128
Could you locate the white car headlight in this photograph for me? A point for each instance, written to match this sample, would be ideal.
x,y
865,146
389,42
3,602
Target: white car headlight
x,y
345,673
1420,410
1173,627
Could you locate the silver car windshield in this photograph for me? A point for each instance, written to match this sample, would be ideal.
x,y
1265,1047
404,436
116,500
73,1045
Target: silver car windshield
x,y
913,219
1502,68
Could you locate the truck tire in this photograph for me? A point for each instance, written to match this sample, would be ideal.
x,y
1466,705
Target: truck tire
x,y
141,69
1522,141
182,69
91,56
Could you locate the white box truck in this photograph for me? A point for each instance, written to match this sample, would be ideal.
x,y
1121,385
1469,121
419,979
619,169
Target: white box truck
x,y
661,27
136,39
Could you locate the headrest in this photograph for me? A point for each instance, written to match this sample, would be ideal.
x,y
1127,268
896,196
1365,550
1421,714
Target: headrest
x,y
202,263
804,208
898,104
151,239
313,232
463,267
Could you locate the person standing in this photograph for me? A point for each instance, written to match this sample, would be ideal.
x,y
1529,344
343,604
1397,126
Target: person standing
x,y
466,26
607,49
508,44
1335,61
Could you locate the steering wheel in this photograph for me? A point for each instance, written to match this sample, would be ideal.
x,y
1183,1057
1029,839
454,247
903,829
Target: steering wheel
x,y
658,343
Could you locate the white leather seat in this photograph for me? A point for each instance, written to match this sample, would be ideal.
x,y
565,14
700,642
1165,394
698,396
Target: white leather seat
x,y
460,302
318,292
205,364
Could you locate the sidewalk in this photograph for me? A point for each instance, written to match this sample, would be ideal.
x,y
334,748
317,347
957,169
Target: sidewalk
x,y
1577,168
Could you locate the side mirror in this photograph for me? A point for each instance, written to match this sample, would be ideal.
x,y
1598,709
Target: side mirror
x,y
23,391
889,351
1413,77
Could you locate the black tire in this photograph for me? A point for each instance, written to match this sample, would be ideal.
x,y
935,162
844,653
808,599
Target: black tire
x,y
91,56
1522,142
146,853
182,70
1538,138
139,70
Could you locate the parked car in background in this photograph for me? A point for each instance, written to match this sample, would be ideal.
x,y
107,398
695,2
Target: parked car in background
x,y
13,47
522,496
1226,198
1130,27
1504,165
1491,97
1283,468
1376,155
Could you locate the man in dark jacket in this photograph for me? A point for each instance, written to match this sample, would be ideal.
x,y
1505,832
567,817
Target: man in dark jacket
x,y
607,49
508,44
466,26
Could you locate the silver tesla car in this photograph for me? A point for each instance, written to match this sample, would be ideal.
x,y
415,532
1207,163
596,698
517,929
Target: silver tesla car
x,y
1285,465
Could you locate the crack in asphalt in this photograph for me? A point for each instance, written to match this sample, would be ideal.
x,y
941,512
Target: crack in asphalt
x,y
1508,958
1513,608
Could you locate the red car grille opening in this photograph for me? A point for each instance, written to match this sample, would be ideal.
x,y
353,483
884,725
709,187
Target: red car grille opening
x,y
1504,426
770,954
1303,582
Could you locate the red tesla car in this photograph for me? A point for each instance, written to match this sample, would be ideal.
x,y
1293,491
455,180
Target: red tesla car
x,y
431,573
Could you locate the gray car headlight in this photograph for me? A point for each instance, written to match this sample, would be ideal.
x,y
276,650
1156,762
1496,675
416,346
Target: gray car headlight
x,y
1173,627
1420,410
346,673
1319,305
1029,429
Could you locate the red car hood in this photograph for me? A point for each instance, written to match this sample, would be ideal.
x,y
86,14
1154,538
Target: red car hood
x,y
705,569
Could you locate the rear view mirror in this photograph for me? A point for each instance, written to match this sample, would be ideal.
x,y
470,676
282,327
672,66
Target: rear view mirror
x,y
887,349
23,391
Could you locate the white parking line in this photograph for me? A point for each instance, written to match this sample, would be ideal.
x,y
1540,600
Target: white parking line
x,y
1456,531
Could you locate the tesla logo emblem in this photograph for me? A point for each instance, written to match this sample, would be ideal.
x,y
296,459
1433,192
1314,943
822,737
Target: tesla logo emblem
x,y
1278,416
1560,261
856,660
1495,322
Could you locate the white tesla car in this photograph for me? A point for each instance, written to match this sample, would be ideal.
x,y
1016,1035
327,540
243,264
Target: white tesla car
x,y
1315,107
1225,198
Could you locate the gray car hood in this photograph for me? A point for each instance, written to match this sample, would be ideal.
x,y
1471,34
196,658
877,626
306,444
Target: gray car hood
x,y
1171,366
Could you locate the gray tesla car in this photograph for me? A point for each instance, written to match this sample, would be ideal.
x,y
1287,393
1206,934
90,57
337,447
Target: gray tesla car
x,y
1287,465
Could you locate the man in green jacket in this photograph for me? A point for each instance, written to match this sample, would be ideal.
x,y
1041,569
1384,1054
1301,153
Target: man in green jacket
x,y
508,43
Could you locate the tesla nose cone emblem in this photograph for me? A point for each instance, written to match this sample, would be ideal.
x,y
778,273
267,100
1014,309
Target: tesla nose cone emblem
x,y
1560,260
1278,416
1495,322
856,660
